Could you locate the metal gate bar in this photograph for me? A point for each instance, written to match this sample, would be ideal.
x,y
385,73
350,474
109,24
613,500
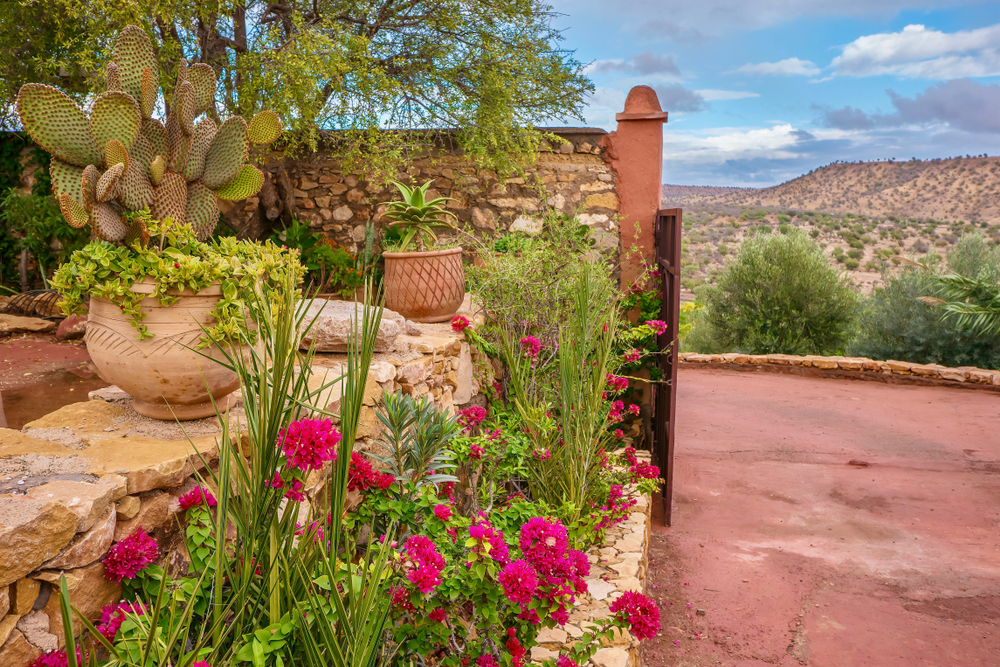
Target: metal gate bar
x,y
669,223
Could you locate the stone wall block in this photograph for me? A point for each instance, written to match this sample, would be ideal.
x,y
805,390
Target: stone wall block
x,y
87,548
31,532
87,501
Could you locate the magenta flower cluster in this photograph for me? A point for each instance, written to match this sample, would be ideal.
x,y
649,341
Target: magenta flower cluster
x,y
130,556
113,615
293,487
459,324
309,443
442,512
362,476
471,417
196,497
531,347
424,562
485,533
659,327
632,356
641,614
616,383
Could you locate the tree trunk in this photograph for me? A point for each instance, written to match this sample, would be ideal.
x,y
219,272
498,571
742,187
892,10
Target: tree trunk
x,y
274,212
23,268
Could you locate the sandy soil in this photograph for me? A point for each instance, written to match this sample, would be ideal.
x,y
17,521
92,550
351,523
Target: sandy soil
x,y
830,523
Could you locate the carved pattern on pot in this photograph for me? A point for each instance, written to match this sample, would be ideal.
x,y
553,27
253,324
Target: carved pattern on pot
x,y
425,286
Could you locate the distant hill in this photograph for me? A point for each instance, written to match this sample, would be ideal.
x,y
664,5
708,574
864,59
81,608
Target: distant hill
x,y
966,189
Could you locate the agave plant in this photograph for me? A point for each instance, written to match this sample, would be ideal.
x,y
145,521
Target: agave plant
x,y
415,217
115,158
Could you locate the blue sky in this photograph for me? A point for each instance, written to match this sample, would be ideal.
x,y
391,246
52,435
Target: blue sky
x,y
760,91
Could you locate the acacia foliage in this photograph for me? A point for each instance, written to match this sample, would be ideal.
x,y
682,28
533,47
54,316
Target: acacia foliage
x,y
491,68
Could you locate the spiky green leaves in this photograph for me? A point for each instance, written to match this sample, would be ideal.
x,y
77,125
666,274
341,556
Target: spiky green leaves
x,y
66,179
134,53
202,210
73,211
115,116
202,78
204,132
170,198
246,184
107,185
156,169
57,124
227,153
264,128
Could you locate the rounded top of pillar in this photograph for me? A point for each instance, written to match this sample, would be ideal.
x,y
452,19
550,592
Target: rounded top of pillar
x,y
642,104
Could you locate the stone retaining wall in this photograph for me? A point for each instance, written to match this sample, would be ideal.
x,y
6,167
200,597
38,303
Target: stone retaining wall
x,y
858,367
571,174
619,564
76,481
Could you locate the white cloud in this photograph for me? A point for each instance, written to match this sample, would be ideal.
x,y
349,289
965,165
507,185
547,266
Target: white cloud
x,y
646,62
786,67
710,94
917,52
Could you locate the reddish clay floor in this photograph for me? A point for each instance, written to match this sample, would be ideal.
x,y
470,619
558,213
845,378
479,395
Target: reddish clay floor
x,y
829,523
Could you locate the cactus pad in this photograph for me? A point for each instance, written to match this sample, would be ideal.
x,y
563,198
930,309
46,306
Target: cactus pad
x,y
115,116
115,153
66,179
202,210
114,77
264,128
57,124
73,211
204,132
136,189
137,232
150,90
186,108
108,222
246,184
227,153
202,77
133,53
107,186
141,152
88,186
170,198
156,169
156,135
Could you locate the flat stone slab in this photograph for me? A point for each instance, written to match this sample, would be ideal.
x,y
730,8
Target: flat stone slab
x,y
18,324
335,323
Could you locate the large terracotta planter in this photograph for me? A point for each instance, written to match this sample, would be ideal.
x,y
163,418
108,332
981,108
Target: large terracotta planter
x,y
166,379
425,286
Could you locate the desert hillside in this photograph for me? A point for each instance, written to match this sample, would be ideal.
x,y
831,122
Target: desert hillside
x,y
952,190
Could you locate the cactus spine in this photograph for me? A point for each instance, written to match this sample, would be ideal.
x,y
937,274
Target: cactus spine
x,y
115,157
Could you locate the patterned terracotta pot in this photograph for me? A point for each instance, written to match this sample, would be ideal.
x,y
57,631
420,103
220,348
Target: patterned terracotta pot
x,y
425,286
166,379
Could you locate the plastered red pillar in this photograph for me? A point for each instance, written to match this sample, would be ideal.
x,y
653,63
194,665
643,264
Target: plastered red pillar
x,y
635,153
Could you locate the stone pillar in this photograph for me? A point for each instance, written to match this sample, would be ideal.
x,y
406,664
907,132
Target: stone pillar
x,y
635,153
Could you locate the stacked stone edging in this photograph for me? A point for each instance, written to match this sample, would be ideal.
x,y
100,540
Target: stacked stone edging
x,y
619,564
861,368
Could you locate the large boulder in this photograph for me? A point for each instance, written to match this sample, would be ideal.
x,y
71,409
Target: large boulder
x,y
335,323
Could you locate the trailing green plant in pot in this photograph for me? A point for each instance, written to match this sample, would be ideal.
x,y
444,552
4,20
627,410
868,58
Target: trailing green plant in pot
x,y
423,281
149,191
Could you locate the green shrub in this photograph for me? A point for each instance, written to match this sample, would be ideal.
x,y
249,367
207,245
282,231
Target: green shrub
x,y
851,263
894,324
780,295
855,254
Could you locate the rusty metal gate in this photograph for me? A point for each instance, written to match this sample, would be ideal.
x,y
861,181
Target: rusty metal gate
x,y
667,233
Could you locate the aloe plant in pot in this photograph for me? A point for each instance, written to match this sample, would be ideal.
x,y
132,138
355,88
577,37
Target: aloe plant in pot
x,y
149,191
423,283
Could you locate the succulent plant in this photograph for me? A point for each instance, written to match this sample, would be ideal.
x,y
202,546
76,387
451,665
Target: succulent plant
x,y
115,157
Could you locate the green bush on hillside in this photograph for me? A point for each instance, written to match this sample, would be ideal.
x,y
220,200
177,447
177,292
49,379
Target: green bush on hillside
x,y
779,294
894,324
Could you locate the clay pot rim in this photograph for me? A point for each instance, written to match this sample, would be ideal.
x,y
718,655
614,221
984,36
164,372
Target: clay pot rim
x,y
147,284
426,253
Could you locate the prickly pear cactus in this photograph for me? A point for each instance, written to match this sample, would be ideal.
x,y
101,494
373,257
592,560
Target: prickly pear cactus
x,y
115,157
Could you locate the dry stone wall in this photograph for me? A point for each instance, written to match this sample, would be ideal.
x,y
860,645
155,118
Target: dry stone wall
x,y
571,175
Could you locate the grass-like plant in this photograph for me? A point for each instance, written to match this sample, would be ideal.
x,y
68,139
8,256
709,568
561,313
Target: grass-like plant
x,y
415,218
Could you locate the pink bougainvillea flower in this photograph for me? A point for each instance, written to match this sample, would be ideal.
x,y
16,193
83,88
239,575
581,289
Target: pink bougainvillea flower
x,y
566,661
517,652
438,615
442,512
385,480
130,556
639,612
487,661
294,491
531,347
659,327
113,615
195,497
309,443
633,408
543,543
632,356
519,581
619,434
643,470
628,454
361,476
616,383
471,417
200,663
400,597
426,563
459,324
484,532
476,452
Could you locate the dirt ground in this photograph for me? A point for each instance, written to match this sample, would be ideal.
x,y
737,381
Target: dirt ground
x,y
829,523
